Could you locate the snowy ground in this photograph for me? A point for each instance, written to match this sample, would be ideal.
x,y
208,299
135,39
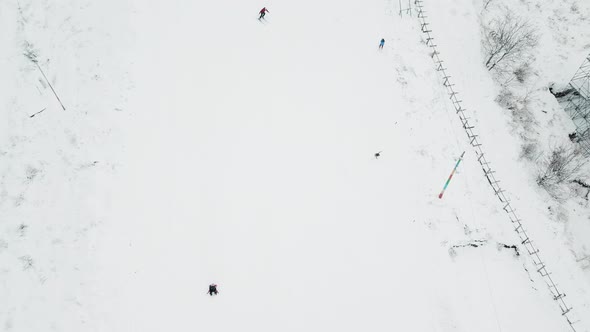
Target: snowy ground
x,y
200,145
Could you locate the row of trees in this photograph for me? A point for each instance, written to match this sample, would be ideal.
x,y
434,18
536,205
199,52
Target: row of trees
x,y
508,44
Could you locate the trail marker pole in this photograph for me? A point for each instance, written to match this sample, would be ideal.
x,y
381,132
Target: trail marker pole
x,y
46,80
451,176
38,112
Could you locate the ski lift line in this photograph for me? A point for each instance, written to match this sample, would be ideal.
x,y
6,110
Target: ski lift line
x,y
490,291
474,218
451,127
489,173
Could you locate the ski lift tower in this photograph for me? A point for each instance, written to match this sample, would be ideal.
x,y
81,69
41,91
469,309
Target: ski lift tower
x,y
407,10
577,105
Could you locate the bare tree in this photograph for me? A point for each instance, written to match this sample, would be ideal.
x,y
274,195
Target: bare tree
x,y
507,39
562,165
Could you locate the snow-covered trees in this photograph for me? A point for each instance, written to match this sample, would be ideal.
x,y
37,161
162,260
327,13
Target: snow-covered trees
x,y
562,165
506,39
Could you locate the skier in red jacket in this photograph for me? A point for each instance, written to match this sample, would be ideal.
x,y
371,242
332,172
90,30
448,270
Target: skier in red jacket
x,y
263,12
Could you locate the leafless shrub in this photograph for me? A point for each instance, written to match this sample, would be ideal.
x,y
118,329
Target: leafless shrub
x,y
31,172
518,103
30,51
563,164
506,41
452,252
506,99
22,230
529,151
522,73
27,262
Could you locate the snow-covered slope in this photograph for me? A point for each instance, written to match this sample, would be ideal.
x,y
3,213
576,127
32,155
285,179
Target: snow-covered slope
x,y
200,145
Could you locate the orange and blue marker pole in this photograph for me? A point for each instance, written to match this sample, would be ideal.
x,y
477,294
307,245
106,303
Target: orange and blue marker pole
x,y
451,176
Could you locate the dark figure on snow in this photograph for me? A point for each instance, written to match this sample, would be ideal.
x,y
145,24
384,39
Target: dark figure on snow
x,y
212,290
263,12
381,43
378,154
